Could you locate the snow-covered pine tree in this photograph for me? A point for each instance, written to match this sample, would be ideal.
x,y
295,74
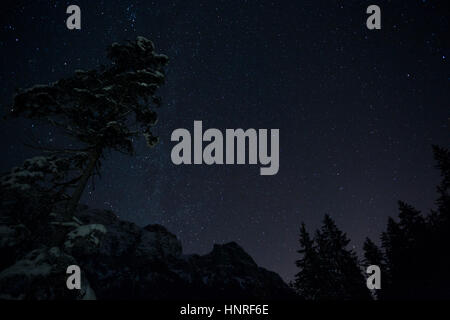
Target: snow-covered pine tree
x,y
101,109
29,192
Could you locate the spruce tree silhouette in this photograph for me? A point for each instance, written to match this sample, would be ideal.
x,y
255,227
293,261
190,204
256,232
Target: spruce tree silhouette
x,y
403,243
374,256
307,283
442,157
328,269
415,262
440,225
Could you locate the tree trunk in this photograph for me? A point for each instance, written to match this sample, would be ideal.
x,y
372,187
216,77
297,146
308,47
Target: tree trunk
x,y
88,171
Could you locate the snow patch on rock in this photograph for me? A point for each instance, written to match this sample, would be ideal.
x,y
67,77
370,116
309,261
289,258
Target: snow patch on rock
x,y
87,232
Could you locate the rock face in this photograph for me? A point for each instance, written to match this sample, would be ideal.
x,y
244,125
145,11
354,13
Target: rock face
x,y
120,260
39,275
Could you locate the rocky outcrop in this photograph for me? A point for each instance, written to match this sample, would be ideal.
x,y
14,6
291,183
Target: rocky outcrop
x,y
41,274
120,260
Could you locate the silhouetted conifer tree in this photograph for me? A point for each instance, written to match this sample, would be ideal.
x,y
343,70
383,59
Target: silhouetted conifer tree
x,y
442,157
329,270
372,253
374,256
403,243
101,109
416,263
307,282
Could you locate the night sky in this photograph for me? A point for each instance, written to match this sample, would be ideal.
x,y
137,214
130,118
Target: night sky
x,y
358,111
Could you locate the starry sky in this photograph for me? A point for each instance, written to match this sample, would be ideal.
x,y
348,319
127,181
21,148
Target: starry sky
x,y
358,111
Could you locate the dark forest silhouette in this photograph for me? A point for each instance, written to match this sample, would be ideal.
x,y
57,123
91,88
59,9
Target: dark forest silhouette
x,y
413,258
